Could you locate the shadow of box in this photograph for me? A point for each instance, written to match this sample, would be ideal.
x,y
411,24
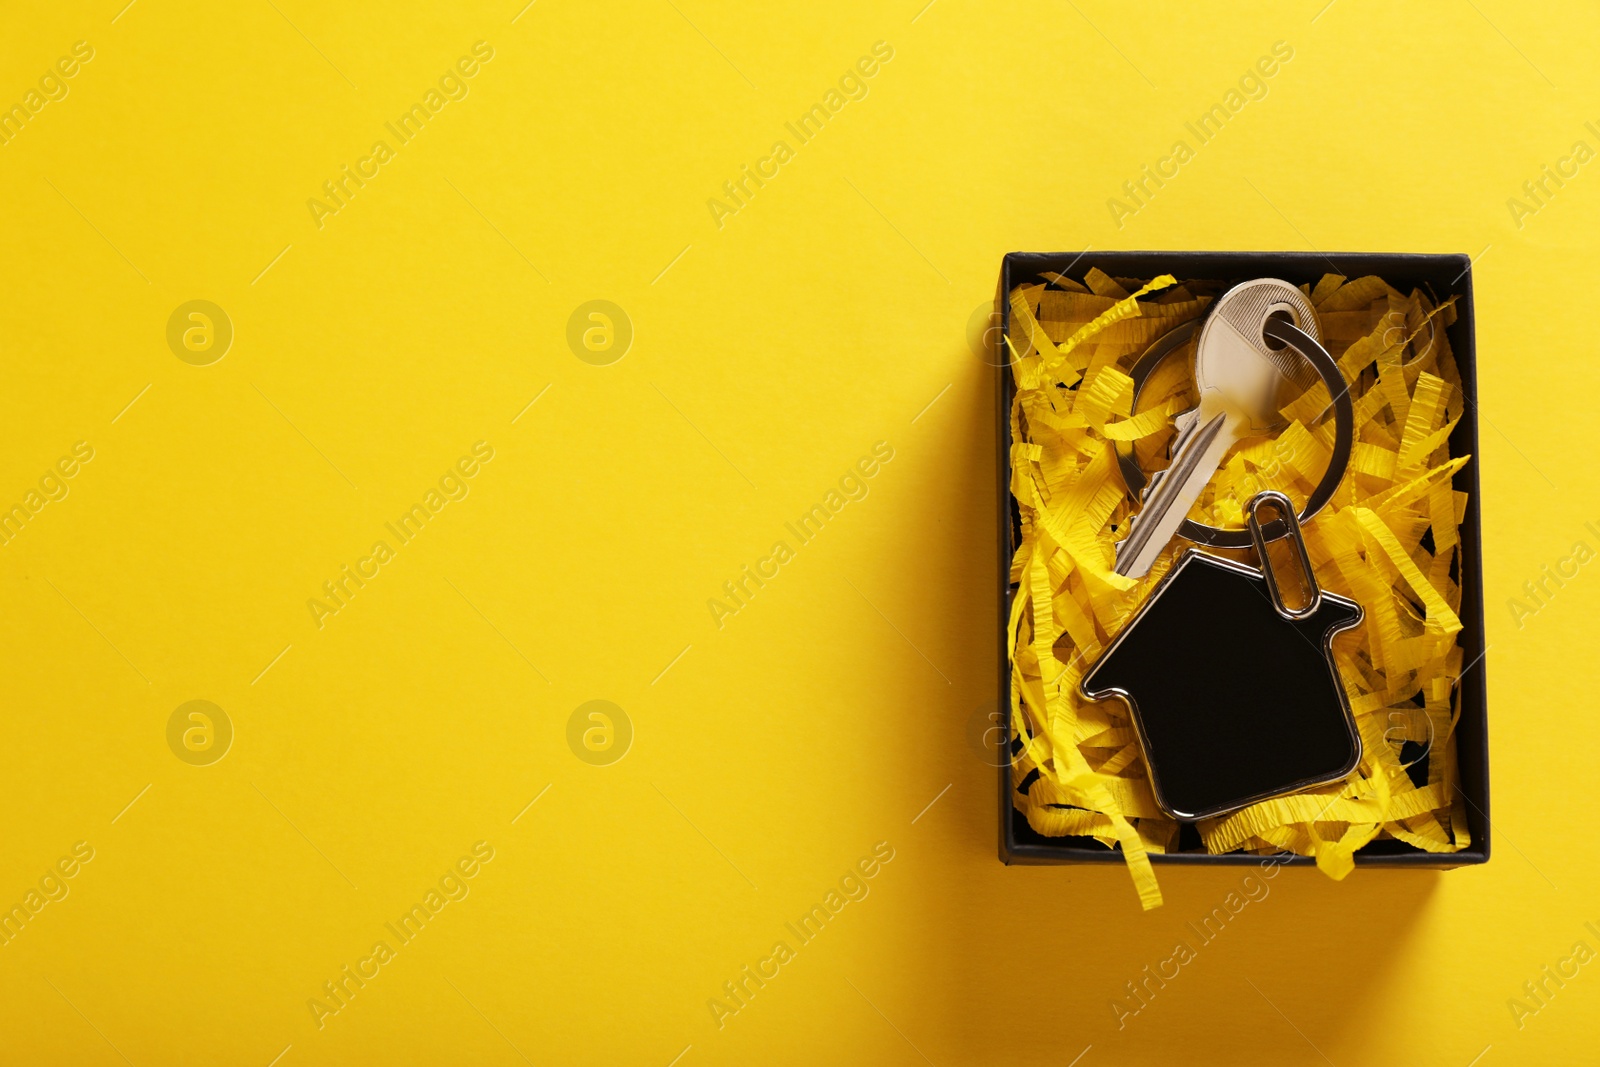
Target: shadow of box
x,y
1441,275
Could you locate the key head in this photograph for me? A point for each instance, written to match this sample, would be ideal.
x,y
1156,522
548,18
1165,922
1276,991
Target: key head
x,y
1236,369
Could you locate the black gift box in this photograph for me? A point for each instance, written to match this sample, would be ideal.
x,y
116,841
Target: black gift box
x,y
1441,275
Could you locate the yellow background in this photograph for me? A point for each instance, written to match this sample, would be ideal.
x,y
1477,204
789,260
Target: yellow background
x,y
769,355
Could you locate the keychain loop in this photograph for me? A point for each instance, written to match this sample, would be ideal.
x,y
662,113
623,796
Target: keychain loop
x,y
1285,508
1344,429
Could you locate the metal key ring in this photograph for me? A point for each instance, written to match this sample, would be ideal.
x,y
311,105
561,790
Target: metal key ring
x,y
1344,429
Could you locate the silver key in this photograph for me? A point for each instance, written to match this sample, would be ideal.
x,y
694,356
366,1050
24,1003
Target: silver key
x,y
1238,375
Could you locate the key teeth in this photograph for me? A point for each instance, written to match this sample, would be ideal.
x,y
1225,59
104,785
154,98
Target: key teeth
x,y
1150,486
1183,422
1123,552
1186,426
1119,549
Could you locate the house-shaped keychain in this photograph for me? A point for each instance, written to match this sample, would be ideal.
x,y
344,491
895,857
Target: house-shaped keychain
x,y
1233,693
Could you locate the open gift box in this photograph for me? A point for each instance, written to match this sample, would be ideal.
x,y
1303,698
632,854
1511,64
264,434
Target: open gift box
x,y
1443,277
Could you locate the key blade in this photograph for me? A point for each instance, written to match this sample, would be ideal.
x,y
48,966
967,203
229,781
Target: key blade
x,y
1152,529
1187,423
